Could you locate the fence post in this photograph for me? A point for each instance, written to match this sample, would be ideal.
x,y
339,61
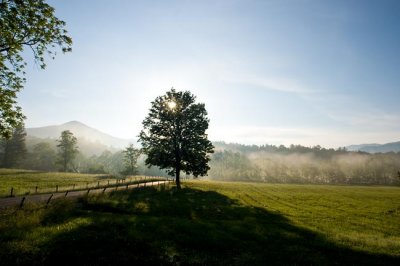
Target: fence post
x,y
22,202
56,188
98,183
73,186
66,193
36,189
127,186
104,190
11,193
88,192
48,201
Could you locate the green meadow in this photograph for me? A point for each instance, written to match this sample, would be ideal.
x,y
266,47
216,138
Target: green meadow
x,y
26,182
210,223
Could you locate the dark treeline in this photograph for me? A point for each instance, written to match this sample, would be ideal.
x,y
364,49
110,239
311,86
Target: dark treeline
x,y
299,164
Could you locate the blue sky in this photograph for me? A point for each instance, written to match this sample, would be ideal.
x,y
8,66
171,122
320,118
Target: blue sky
x,y
278,72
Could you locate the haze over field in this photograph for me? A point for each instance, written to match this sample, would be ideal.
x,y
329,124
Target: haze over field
x,y
233,162
277,72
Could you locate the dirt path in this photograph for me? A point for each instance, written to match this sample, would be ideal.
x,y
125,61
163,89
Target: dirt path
x,y
15,201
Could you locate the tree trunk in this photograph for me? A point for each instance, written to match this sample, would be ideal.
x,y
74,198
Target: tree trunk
x,y
177,176
65,164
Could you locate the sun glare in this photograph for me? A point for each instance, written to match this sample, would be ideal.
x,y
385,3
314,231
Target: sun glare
x,y
171,105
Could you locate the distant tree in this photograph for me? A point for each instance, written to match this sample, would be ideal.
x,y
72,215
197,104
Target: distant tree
x,y
174,135
14,148
24,24
43,156
68,149
131,155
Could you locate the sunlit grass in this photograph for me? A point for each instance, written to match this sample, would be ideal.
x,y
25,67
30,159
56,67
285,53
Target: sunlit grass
x,y
364,218
211,223
25,181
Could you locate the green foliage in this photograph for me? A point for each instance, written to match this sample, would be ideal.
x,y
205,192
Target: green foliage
x,y
213,224
24,24
174,135
44,156
131,155
13,149
68,149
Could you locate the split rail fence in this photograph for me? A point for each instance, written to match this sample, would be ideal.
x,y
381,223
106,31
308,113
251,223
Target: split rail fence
x,y
76,191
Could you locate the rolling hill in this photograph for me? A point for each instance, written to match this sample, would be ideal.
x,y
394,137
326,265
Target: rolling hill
x,y
375,148
90,140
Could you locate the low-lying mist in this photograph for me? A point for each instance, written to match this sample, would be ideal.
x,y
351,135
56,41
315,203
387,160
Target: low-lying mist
x,y
235,162
299,164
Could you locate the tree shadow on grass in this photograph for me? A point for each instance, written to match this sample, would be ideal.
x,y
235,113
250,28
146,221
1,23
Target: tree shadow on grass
x,y
187,227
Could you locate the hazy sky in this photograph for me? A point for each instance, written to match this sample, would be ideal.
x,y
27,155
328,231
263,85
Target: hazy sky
x,y
277,72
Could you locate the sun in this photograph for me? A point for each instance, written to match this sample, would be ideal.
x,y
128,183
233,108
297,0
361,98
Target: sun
x,y
171,105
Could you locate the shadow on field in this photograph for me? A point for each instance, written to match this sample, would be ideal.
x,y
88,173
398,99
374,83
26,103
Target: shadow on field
x,y
17,173
187,227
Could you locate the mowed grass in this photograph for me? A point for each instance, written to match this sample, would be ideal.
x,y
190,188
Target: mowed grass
x,y
25,181
361,217
210,223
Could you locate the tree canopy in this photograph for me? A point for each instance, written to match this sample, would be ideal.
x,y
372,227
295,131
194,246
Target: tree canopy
x,y
13,149
174,135
68,149
131,155
25,24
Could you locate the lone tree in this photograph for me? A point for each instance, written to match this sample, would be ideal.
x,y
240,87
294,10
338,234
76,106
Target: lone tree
x,y
67,145
24,24
174,135
131,155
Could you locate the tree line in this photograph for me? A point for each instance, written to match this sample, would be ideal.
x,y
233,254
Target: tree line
x,y
230,162
299,164
66,156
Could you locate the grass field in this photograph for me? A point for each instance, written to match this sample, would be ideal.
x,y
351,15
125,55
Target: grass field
x,y
25,181
210,223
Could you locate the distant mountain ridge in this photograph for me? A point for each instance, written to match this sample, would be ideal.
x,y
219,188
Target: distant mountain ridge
x,y
81,131
375,148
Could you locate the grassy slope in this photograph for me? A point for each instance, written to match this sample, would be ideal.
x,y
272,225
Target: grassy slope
x,y
212,223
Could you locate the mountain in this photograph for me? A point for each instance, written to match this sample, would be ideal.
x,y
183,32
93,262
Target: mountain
x,y
82,132
375,148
